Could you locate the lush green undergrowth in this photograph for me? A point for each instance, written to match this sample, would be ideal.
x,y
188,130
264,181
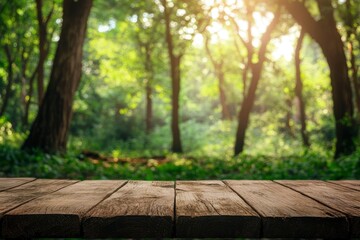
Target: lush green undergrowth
x,y
270,158
309,165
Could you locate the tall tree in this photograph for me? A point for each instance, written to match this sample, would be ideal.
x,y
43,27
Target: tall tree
x,y
220,74
50,128
325,33
175,63
18,41
299,90
147,37
255,68
350,16
10,78
43,22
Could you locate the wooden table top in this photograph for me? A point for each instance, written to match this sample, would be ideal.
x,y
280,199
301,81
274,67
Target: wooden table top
x,y
32,207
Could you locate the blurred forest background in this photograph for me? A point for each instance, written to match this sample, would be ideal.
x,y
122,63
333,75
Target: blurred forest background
x,y
180,89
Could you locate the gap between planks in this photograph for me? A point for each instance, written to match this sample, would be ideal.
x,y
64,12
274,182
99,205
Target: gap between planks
x,y
107,196
31,199
58,213
286,213
174,229
20,182
261,217
347,183
346,202
210,208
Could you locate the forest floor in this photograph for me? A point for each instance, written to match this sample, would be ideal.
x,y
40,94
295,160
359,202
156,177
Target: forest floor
x,y
96,158
94,165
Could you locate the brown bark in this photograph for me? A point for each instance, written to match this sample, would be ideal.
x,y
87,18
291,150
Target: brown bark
x,y
145,49
50,128
175,75
248,45
325,33
175,60
350,33
10,79
299,90
248,102
354,75
148,89
43,46
220,74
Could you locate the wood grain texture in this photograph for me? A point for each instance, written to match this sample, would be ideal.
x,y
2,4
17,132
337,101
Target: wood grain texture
x,y
7,183
288,214
14,197
337,197
353,184
139,209
59,213
210,208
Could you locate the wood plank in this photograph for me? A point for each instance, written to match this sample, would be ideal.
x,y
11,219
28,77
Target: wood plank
x,y
211,209
353,184
7,183
14,197
337,197
288,214
58,214
139,209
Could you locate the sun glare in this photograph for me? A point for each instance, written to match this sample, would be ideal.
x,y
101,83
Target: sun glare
x,y
220,29
222,10
284,47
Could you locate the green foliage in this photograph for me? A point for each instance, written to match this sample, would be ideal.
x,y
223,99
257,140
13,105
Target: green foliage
x,y
9,137
309,165
109,107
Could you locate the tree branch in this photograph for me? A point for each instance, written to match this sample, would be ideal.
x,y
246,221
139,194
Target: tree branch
x,y
302,15
48,17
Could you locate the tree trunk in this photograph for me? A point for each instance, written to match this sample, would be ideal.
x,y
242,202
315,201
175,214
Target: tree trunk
x,y
225,113
43,46
148,89
299,90
149,114
325,33
249,100
42,52
175,61
50,128
246,107
354,75
10,78
350,33
219,72
175,75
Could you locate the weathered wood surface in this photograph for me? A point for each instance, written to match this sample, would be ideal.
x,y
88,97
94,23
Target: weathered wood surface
x,y
140,209
286,213
337,197
210,208
59,213
14,197
7,183
353,184
143,209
